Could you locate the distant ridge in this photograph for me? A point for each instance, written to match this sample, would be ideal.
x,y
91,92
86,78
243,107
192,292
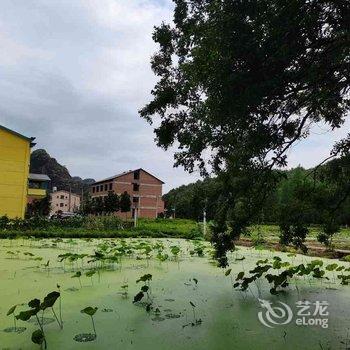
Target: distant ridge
x,y
42,163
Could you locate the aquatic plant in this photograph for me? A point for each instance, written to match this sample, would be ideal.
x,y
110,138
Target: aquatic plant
x,y
162,257
78,275
38,336
125,288
282,279
90,311
90,274
195,321
15,329
144,289
175,250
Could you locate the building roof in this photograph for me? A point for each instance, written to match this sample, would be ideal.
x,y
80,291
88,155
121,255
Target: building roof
x,y
125,173
29,139
39,177
71,193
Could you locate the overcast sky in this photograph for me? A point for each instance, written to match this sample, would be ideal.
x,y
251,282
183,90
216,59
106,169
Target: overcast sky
x,y
74,74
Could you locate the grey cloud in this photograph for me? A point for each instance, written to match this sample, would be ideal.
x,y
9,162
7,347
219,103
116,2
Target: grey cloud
x,y
75,73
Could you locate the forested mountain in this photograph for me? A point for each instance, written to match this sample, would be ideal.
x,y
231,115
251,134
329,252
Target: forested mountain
x,y
311,193
42,163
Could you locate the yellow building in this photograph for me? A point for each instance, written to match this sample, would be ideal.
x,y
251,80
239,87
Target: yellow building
x,y
14,171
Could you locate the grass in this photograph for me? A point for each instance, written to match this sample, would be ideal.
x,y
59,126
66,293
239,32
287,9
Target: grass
x,y
169,226
154,228
270,234
111,227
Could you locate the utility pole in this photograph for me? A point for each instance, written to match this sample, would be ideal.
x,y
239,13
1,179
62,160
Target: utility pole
x,y
205,217
70,198
204,222
135,216
82,199
138,204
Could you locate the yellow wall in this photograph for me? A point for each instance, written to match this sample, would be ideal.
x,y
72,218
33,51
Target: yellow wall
x,y
14,169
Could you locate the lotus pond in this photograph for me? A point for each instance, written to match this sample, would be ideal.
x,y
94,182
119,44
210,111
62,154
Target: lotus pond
x,y
164,294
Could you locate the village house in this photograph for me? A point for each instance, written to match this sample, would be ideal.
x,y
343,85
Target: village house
x,y
38,186
64,202
145,191
17,186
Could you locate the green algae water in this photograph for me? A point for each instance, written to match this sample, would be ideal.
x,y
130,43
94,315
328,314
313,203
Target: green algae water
x,y
194,305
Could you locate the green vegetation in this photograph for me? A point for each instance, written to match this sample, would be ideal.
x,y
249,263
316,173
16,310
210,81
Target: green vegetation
x,y
250,80
112,227
98,226
304,201
179,299
36,306
190,200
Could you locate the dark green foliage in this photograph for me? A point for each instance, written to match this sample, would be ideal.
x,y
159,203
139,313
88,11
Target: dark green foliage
x,y
188,201
145,289
38,337
35,303
41,223
145,278
282,278
138,297
89,311
111,203
249,79
50,300
11,310
125,202
39,207
26,315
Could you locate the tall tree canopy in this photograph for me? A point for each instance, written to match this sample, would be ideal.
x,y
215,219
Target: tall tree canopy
x,y
243,81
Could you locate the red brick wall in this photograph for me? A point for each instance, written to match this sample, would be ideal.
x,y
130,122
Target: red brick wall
x,y
148,202
149,189
147,213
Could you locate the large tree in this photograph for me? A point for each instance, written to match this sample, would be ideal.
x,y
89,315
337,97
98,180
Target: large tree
x,y
240,82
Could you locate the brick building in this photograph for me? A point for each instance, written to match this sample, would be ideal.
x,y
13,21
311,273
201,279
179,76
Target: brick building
x,y
145,191
64,202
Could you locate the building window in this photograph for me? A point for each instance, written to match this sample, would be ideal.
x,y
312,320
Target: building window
x,y
61,204
106,187
110,186
97,188
136,187
101,188
135,199
93,189
62,196
137,175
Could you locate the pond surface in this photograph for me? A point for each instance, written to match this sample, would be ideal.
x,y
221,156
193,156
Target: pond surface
x,y
221,318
